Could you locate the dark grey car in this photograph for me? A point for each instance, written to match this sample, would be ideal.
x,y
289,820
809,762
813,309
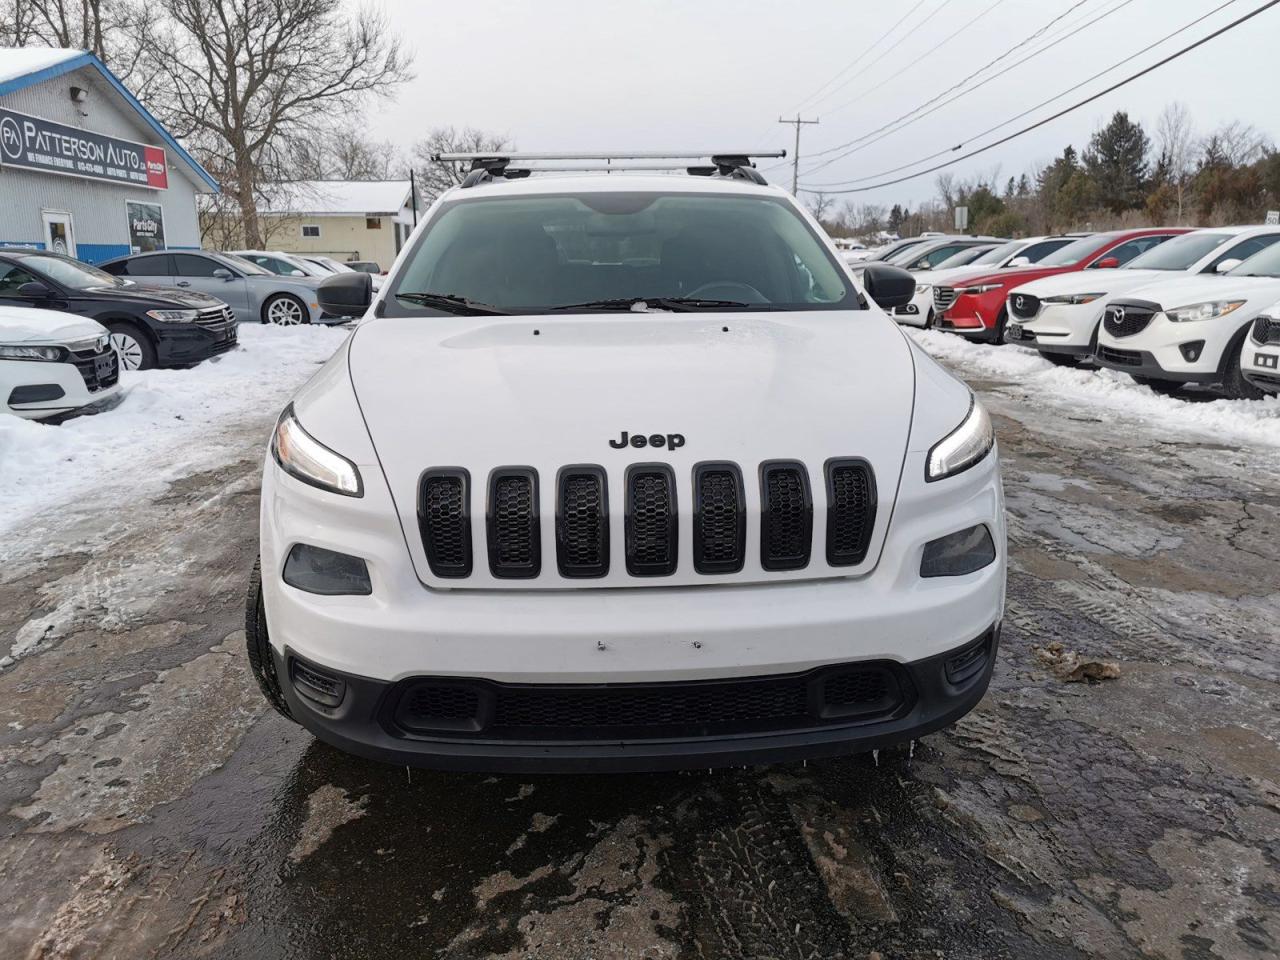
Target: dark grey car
x,y
254,294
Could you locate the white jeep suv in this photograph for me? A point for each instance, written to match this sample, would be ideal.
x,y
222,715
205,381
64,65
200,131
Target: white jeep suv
x,y
1190,329
1059,316
625,472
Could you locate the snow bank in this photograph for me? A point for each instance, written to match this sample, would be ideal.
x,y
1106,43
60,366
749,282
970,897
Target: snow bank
x,y
170,423
1111,396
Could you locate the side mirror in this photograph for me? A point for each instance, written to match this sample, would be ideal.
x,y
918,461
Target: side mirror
x,y
346,294
35,290
222,273
1107,263
296,273
887,285
1229,264
1019,261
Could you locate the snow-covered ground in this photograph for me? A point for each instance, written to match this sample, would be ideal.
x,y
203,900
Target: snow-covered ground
x,y
1110,396
170,424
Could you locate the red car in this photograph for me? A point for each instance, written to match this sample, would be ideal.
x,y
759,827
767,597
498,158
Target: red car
x,y
978,311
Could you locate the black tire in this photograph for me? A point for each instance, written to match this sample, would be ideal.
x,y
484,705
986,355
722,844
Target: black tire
x,y
1234,385
930,320
258,645
285,303
1159,386
1002,321
146,350
1063,359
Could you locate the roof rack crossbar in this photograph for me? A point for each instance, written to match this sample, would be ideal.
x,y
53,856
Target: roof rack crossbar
x,y
504,157
486,167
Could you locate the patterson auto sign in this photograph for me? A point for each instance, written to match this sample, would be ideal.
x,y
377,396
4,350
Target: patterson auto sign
x,y
33,143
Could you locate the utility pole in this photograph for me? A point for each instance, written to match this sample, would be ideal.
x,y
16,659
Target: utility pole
x,y
795,160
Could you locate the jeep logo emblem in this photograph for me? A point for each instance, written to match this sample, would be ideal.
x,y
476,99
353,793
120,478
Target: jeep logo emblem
x,y
672,441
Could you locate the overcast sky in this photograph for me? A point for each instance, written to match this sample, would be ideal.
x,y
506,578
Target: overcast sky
x,y
656,74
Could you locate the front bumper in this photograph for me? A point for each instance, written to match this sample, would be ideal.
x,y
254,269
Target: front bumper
x,y
39,390
544,732
1260,364
974,315
1059,328
186,344
916,313
1158,351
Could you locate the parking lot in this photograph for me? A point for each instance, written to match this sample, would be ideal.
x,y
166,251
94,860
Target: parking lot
x,y
1115,794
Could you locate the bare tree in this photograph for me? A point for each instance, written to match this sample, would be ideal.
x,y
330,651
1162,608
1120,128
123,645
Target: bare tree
x,y
1239,143
434,178
346,155
244,79
820,205
17,22
1176,140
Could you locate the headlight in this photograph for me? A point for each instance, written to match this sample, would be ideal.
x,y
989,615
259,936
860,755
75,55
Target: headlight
x,y
962,447
922,288
1074,298
982,288
30,353
1203,311
305,457
174,316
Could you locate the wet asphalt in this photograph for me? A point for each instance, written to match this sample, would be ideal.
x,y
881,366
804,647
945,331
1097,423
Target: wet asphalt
x,y
151,807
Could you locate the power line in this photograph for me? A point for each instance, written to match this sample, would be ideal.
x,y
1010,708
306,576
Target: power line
x,y
990,63
1057,96
795,163
906,119
1076,106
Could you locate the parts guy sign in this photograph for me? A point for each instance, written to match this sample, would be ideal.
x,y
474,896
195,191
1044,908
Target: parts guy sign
x,y
37,144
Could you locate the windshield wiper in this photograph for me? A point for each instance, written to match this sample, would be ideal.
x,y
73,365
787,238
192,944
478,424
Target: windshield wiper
x,y
452,303
678,304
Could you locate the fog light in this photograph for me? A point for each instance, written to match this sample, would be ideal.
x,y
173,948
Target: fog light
x,y
1191,351
958,553
316,686
326,572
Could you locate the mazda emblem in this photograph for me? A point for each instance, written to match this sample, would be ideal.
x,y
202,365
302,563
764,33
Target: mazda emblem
x,y
1117,315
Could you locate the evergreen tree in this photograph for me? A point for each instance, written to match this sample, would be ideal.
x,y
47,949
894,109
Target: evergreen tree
x,y
896,216
1116,162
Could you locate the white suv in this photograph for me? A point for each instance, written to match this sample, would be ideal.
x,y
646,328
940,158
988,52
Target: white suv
x,y
1190,329
1260,358
625,472
1059,316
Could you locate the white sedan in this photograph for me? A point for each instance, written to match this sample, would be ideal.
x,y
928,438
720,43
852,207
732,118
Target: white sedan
x,y
53,364
1059,316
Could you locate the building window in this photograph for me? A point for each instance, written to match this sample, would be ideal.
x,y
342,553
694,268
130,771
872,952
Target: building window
x,y
311,229
373,223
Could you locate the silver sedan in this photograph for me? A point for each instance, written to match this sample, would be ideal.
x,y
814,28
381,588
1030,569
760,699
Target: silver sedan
x,y
254,294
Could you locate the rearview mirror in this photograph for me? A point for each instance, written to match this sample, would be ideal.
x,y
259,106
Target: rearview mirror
x,y
345,294
1107,263
35,290
1228,264
1020,262
222,273
887,285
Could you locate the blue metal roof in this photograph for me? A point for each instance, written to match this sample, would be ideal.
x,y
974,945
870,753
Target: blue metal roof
x,y
86,59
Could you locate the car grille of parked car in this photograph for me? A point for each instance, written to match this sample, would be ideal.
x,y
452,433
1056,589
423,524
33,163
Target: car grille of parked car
x,y
1266,330
943,298
99,368
847,693
650,503
1123,358
213,316
1124,319
1024,306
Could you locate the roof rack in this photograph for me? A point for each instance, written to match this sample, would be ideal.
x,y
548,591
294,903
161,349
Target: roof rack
x,y
487,167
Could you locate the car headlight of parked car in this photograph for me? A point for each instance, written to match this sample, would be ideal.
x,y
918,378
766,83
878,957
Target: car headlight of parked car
x,y
18,352
962,447
174,316
1208,310
981,288
1074,298
922,288
306,458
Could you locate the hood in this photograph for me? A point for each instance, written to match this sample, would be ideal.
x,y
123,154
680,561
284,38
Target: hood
x,y
146,294
546,392
948,274
1183,291
1009,277
29,325
1106,282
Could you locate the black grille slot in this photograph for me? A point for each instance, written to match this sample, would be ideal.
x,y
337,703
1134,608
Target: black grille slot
x,y
1126,318
1266,330
719,518
970,662
444,520
865,691
582,522
851,511
1123,358
651,521
98,370
439,705
515,541
1024,306
786,516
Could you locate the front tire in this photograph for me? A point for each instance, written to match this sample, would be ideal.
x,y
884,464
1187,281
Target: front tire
x,y
258,645
284,310
1234,385
133,347
1002,321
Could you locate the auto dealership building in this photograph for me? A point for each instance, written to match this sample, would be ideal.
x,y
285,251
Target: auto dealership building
x,y
85,169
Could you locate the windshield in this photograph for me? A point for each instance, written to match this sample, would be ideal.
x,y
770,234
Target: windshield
x,y
971,256
243,265
997,255
893,250
1265,263
597,251
1178,253
1076,252
70,273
